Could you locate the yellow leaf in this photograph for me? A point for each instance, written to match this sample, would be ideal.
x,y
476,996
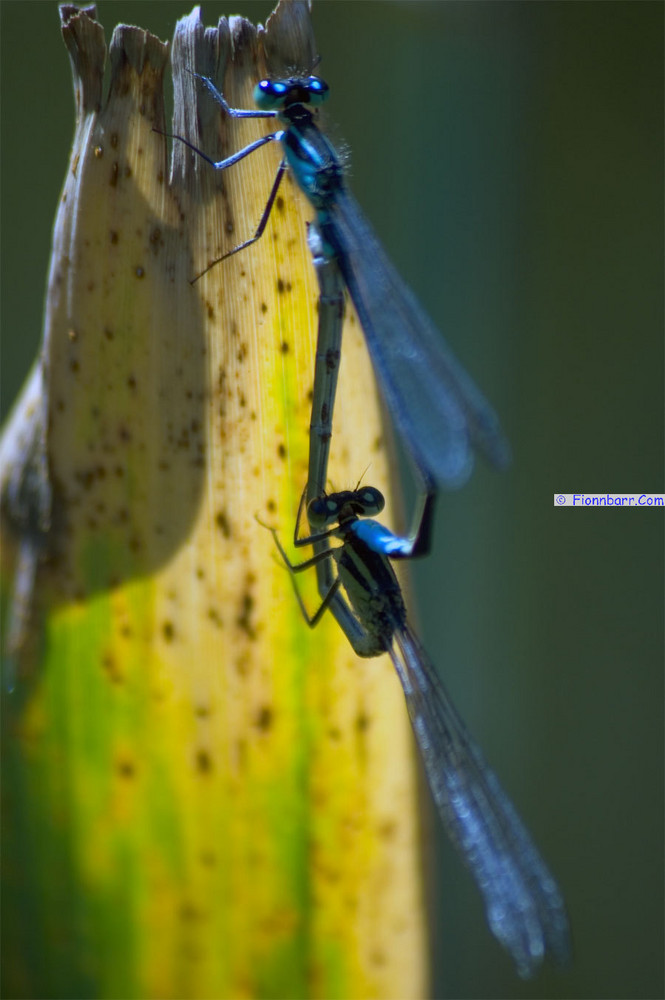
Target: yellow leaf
x,y
202,797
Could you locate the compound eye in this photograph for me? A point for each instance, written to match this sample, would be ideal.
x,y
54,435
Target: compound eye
x,y
314,514
321,512
318,90
269,94
370,500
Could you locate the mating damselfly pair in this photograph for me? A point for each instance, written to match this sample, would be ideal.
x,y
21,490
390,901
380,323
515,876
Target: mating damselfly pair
x,y
442,418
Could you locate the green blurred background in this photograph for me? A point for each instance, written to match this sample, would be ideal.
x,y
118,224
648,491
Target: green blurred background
x,y
510,156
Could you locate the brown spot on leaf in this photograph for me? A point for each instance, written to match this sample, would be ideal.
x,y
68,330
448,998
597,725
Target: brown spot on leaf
x,y
126,768
243,620
362,722
264,718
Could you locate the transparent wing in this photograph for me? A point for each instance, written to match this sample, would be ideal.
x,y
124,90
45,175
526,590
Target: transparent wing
x,y
523,904
437,409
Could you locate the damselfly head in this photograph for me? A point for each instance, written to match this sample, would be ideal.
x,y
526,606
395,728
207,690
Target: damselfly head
x,y
272,95
334,508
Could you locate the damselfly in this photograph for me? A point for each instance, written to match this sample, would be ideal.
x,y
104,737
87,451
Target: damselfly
x,y
437,409
523,904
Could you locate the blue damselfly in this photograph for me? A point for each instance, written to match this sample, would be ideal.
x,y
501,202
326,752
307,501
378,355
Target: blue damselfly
x,y
439,412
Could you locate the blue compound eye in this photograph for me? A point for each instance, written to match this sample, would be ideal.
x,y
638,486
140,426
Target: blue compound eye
x,y
318,90
269,94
